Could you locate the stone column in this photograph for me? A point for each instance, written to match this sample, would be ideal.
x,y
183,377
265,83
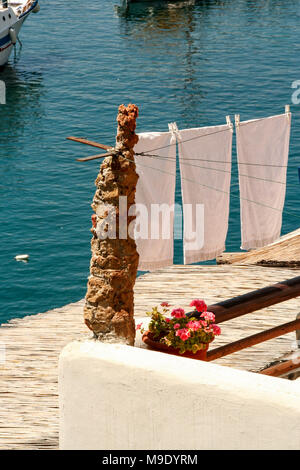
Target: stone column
x,y
109,306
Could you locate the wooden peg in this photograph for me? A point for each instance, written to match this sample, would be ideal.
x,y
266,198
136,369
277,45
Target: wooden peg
x,y
81,140
95,157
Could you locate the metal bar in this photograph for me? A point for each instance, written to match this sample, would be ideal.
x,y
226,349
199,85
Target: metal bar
x,y
256,300
282,368
81,140
252,340
94,157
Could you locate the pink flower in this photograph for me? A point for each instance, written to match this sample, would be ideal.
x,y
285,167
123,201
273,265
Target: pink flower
x,y
209,316
168,320
199,304
183,333
194,325
165,304
178,313
138,327
216,329
203,323
176,326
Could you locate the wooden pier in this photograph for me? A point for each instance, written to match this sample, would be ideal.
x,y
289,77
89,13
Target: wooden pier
x,y
29,417
285,252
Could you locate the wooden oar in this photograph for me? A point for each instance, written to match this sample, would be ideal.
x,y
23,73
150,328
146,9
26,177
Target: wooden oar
x,y
81,140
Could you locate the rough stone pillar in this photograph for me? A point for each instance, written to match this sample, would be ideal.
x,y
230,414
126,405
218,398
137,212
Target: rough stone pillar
x,y
109,306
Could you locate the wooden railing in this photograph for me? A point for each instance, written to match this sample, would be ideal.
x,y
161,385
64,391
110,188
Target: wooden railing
x,y
251,302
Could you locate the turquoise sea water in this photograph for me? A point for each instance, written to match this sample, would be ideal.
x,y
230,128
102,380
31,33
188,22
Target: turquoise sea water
x,y
189,62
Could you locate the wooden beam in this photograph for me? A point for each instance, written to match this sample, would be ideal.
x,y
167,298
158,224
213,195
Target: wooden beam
x,y
282,368
252,340
256,300
81,140
95,157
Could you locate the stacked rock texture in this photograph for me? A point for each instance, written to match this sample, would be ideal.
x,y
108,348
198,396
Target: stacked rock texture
x,y
109,306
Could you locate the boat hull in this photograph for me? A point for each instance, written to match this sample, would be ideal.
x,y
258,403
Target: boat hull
x,y
6,45
9,19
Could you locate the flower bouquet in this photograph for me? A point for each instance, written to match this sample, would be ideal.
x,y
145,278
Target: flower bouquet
x,y
180,333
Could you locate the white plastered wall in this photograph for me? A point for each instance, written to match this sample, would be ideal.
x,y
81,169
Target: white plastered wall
x,y
120,397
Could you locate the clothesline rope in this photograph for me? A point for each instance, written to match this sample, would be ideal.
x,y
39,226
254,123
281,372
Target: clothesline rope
x,y
229,128
220,170
214,189
188,140
146,154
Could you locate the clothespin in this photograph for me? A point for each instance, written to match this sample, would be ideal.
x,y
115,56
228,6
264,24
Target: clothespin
x,y
174,130
229,123
237,120
173,127
288,111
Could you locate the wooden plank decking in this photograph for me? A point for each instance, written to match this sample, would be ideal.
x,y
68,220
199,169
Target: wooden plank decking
x,y
285,252
28,390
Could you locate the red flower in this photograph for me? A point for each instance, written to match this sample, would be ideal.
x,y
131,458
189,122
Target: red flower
x,y
178,313
183,333
199,304
216,329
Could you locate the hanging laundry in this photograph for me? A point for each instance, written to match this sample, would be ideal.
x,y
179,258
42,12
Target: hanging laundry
x,y
262,150
205,166
155,198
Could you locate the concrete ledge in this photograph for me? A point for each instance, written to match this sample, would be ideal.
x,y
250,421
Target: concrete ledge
x,y
122,397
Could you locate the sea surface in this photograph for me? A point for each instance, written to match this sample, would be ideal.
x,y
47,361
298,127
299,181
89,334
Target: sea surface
x,y
192,62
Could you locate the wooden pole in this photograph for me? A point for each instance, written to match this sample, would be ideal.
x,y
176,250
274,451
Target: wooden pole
x,y
282,368
109,306
256,300
95,157
252,340
81,140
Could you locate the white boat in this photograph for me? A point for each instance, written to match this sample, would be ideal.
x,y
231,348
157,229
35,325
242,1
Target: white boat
x,y
22,257
13,13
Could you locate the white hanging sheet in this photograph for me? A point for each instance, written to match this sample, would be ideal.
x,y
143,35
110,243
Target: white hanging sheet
x,y
205,165
155,198
262,150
